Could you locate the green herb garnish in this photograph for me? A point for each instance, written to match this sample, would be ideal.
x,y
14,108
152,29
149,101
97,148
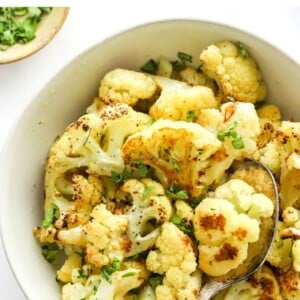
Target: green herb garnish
x,y
50,253
151,121
129,274
176,220
18,25
191,117
175,192
237,140
140,172
175,164
149,67
184,57
108,270
180,64
155,280
242,49
48,220
117,177
142,169
195,201
147,190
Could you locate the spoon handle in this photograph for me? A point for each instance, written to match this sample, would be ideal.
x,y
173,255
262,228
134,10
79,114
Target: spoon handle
x,y
211,288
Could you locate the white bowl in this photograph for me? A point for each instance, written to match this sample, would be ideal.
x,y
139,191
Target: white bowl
x,y
65,97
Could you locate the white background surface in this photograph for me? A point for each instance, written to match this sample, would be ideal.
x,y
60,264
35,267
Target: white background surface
x,y
86,25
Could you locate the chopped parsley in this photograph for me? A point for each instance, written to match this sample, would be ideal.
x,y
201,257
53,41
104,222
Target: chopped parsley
x,y
108,270
195,201
191,117
49,218
175,164
176,192
142,169
50,253
186,228
139,171
149,67
182,62
151,121
117,177
242,49
237,140
129,274
155,280
18,25
147,190
185,57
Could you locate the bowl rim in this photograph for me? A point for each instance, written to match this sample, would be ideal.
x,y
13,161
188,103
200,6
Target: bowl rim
x,y
36,46
35,99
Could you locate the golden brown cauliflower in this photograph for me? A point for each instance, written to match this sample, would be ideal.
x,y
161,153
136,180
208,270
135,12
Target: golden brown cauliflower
x,y
262,285
282,156
126,86
176,260
149,203
235,71
92,143
180,101
289,282
226,224
279,255
177,285
174,249
192,77
178,151
269,120
106,236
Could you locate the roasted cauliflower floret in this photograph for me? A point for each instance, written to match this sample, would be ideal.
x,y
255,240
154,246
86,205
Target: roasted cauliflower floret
x,y
279,255
180,101
126,86
106,236
184,211
239,129
178,151
289,181
286,141
114,284
79,291
291,219
234,70
93,143
176,260
177,285
64,274
102,237
226,224
289,282
269,119
174,250
281,155
270,112
150,208
262,285
193,77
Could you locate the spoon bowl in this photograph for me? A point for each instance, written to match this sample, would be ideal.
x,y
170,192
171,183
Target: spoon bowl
x,y
262,180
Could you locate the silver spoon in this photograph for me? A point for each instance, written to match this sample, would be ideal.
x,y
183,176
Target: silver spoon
x,y
263,181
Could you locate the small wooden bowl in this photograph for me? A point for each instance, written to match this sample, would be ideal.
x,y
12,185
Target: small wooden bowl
x,y
46,30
